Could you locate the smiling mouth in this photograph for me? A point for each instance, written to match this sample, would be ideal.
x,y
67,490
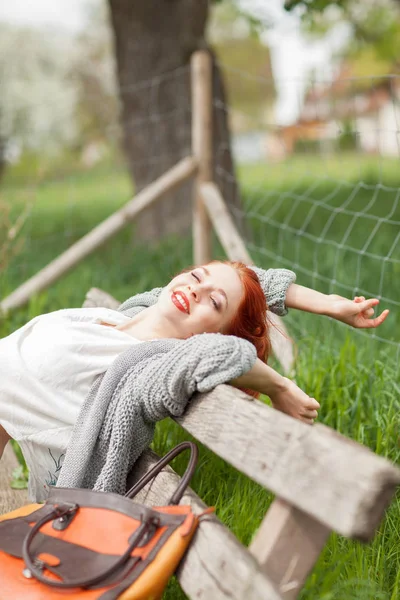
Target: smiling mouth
x,y
181,301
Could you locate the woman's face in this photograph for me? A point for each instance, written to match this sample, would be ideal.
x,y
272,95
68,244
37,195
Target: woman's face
x,y
203,300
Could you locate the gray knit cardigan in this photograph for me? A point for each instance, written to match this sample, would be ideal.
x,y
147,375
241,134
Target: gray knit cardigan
x,y
148,382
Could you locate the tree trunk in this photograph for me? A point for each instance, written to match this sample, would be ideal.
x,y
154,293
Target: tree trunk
x,y
154,40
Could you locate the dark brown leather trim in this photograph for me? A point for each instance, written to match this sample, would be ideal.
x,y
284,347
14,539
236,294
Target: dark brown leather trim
x,y
115,592
110,501
34,516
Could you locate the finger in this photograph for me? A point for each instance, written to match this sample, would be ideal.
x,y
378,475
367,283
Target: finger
x,y
312,404
310,414
359,299
306,420
371,323
367,304
368,313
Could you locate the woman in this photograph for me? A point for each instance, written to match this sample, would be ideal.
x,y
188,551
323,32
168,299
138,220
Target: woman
x,y
97,380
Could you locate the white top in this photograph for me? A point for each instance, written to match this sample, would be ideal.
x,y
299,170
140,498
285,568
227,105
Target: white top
x,y
46,370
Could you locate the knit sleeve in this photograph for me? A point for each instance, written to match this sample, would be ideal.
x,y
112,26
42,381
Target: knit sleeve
x,y
198,364
146,383
275,283
139,301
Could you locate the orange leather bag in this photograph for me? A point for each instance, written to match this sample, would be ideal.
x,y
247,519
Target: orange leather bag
x,y
85,544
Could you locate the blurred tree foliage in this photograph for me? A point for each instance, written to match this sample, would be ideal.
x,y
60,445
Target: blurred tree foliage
x,y
38,95
59,92
244,59
247,74
375,23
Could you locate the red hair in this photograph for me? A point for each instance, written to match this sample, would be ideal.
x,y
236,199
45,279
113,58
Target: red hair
x,y
250,321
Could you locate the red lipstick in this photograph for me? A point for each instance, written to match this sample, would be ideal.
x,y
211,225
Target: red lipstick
x,y
181,301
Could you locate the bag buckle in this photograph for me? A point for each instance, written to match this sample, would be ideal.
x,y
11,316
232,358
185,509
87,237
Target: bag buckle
x,y
64,514
153,523
38,563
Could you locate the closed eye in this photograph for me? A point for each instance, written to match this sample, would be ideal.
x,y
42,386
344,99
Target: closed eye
x,y
216,306
215,303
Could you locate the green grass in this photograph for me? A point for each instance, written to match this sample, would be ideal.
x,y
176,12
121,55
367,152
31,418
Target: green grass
x,y
355,376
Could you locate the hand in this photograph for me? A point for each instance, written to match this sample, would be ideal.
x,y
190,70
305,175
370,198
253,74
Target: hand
x,y
291,400
357,313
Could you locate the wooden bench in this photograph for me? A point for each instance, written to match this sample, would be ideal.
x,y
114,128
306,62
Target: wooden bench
x,y
323,482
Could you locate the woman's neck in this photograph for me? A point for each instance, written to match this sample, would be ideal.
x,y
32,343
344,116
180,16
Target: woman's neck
x,y
147,325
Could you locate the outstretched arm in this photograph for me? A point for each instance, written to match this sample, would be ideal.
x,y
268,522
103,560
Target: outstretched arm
x,y
285,395
357,313
281,293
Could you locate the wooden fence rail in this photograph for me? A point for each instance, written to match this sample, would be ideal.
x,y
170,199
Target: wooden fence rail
x,y
100,234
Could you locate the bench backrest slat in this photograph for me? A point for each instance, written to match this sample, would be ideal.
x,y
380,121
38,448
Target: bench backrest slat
x,y
333,479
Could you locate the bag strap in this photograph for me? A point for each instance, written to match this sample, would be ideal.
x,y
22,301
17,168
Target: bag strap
x,y
187,476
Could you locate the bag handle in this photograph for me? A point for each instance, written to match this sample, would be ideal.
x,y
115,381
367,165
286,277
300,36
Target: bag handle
x,y
61,511
154,471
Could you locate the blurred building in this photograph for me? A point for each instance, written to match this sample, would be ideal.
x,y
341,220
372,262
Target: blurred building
x,y
349,113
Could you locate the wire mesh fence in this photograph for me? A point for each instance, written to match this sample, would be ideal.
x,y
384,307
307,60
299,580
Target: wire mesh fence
x,y
319,196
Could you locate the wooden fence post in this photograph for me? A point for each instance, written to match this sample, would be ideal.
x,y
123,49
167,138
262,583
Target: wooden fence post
x,y
202,144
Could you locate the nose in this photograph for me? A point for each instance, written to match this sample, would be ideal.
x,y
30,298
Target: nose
x,y
194,291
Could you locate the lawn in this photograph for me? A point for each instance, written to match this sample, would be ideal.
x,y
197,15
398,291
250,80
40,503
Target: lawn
x,y
340,226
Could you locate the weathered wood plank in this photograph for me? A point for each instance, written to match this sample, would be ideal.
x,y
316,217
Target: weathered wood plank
x,y
100,234
235,248
9,499
96,297
287,546
331,478
216,566
223,223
